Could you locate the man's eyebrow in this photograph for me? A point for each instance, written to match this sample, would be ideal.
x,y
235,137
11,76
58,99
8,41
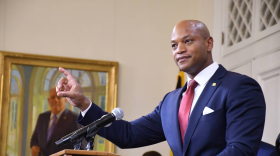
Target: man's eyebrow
x,y
186,36
182,38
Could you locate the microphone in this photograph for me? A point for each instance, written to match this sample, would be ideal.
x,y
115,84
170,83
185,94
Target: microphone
x,y
78,135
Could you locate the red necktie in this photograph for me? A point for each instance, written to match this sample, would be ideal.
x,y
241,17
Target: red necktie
x,y
185,108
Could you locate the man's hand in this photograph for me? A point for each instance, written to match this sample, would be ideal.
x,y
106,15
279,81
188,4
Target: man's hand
x,y
68,87
35,150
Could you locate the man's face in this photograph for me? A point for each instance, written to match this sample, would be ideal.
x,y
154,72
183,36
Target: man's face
x,y
190,49
57,104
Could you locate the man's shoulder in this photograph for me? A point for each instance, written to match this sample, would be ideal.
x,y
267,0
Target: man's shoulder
x,y
71,118
234,77
44,116
231,74
234,82
47,113
175,92
70,113
67,112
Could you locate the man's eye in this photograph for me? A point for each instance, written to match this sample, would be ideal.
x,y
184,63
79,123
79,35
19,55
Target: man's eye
x,y
173,45
188,41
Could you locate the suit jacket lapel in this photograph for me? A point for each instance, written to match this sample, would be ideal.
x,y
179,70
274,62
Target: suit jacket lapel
x,y
176,126
201,103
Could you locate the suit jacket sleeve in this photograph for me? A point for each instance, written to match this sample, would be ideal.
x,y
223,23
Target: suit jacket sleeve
x,y
34,138
144,131
245,118
272,153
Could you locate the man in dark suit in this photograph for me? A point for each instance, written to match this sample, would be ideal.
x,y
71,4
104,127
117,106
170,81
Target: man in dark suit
x,y
52,126
217,112
266,150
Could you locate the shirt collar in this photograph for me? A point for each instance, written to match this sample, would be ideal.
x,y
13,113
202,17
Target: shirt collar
x,y
203,77
57,115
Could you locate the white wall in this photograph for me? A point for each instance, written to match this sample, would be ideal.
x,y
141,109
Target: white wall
x,y
257,57
136,33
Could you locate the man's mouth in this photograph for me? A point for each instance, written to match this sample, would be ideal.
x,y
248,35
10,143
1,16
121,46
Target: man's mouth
x,y
183,58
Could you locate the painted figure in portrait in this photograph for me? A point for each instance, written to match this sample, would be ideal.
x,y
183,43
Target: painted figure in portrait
x,y
30,89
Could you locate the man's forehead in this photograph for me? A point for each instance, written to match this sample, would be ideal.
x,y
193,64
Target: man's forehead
x,y
181,34
189,27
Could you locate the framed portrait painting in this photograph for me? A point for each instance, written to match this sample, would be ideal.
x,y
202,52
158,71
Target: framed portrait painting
x,y
26,80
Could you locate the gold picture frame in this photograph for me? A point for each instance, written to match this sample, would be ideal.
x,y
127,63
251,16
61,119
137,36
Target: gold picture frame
x,y
107,70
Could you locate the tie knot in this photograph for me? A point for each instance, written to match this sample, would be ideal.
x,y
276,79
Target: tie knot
x,y
54,117
193,84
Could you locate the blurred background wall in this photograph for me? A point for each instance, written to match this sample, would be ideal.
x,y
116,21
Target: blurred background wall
x,y
135,33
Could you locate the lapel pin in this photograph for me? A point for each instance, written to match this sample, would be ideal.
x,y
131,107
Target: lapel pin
x,y
64,118
214,84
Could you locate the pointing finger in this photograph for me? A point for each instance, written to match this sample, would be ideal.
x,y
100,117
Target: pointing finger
x,y
66,73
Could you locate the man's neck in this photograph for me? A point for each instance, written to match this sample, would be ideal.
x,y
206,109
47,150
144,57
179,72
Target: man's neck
x,y
59,113
192,75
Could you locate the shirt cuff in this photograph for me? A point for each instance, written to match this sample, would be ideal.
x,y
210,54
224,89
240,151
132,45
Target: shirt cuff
x,y
85,111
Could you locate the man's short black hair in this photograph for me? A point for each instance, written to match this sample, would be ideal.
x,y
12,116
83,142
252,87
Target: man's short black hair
x,y
152,153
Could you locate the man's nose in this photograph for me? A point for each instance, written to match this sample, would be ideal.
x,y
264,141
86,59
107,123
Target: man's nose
x,y
182,48
56,99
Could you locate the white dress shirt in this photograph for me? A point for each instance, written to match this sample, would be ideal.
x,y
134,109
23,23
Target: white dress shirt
x,y
85,111
202,78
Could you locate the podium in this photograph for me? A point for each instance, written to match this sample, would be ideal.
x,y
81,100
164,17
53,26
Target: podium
x,y
68,152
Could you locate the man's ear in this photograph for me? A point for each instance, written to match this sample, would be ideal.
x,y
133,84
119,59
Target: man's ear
x,y
209,42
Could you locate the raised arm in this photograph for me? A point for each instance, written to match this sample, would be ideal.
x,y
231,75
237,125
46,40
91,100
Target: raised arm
x,y
144,131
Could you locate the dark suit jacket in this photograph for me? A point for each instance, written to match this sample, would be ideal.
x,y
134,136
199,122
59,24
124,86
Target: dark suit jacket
x,y
234,128
277,145
266,150
65,125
